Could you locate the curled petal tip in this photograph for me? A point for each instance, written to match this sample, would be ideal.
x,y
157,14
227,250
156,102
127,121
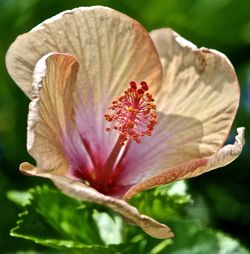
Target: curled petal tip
x,y
154,228
232,151
240,138
27,169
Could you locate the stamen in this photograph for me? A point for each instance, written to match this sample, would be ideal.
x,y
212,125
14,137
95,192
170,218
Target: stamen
x,y
133,117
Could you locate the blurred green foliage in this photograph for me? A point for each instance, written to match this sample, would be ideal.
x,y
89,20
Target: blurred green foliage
x,y
52,219
221,198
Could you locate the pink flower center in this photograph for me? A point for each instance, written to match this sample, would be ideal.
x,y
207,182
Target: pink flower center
x,y
133,117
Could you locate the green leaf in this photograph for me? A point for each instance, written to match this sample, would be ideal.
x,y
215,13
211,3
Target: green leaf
x,y
55,220
20,198
171,205
201,239
163,203
111,228
190,237
69,226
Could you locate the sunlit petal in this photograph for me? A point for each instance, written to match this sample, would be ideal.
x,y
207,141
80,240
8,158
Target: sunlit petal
x,y
112,50
198,83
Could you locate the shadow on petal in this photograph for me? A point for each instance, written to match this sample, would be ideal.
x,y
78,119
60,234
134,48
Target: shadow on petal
x,y
176,139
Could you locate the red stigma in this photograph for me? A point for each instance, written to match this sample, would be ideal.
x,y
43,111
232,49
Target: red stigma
x,y
133,117
144,86
133,85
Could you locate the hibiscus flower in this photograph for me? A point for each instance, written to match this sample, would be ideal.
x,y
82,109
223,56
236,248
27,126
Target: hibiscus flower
x,y
116,110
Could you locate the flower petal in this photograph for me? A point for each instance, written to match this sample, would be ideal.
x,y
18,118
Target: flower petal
x,y
112,50
197,104
52,136
198,83
193,168
82,192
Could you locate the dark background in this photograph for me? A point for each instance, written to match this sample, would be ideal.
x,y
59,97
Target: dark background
x,y
220,24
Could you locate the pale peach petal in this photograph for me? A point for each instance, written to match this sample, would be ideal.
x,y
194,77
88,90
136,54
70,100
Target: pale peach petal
x,y
82,192
52,137
198,83
193,168
196,106
112,50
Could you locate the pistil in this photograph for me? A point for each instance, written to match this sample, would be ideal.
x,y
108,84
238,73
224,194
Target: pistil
x,y
111,162
133,118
